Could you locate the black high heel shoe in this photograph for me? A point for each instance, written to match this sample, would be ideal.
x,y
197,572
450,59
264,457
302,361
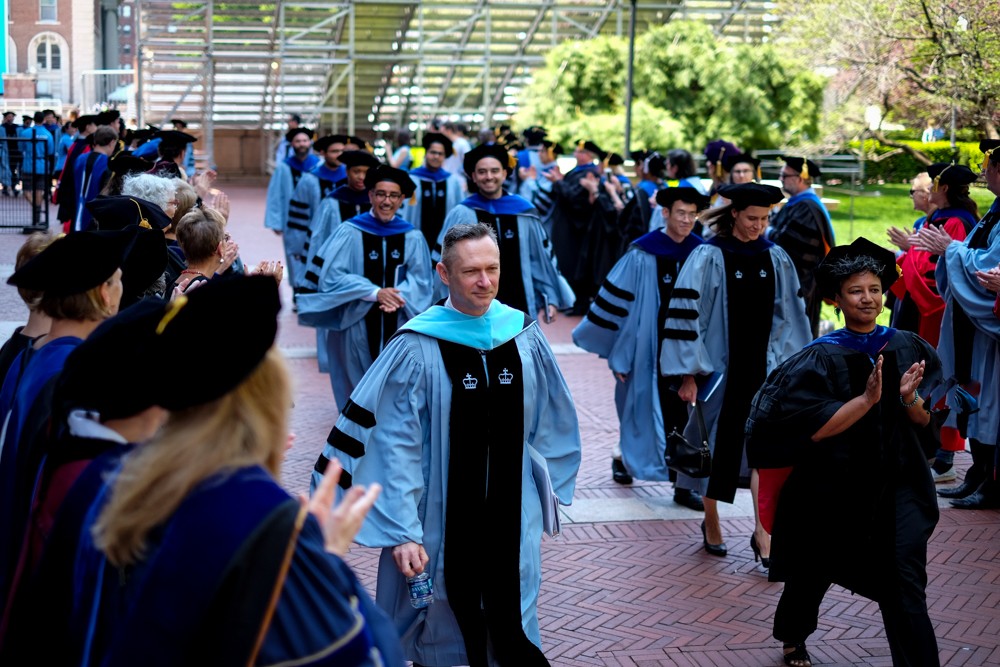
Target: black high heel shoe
x,y
765,561
713,549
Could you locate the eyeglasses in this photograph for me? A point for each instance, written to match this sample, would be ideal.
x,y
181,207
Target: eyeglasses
x,y
391,196
782,176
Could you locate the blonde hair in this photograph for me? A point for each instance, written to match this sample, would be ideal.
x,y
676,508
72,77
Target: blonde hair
x,y
81,307
186,197
30,249
246,427
199,234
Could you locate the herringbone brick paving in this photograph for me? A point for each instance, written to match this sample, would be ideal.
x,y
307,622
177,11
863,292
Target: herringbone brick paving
x,y
644,593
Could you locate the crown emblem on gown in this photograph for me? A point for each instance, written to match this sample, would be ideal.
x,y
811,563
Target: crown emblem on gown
x,y
763,273
667,278
395,254
373,255
469,381
509,234
738,274
506,377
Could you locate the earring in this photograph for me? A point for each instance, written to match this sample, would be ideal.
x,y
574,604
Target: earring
x,y
836,311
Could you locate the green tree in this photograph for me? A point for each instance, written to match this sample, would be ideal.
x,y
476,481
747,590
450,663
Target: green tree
x,y
690,88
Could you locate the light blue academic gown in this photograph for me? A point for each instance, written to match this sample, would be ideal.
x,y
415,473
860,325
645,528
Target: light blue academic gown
x,y
304,202
279,194
708,353
632,306
957,284
407,451
539,269
339,306
326,218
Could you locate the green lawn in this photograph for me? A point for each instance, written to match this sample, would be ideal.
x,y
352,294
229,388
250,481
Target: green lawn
x,y
876,208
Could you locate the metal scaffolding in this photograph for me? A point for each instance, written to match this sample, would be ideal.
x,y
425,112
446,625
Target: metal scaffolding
x,y
365,66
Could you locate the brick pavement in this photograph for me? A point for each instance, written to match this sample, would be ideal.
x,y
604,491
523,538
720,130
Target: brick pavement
x,y
642,592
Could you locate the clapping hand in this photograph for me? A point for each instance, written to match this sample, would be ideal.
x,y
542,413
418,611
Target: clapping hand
x,y
911,380
873,388
900,238
931,239
989,280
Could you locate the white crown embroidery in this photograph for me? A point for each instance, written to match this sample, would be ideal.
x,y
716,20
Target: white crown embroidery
x,y
667,278
373,255
395,254
509,234
763,273
506,377
469,381
739,274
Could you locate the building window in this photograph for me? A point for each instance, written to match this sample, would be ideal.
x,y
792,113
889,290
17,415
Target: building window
x,y
47,11
48,55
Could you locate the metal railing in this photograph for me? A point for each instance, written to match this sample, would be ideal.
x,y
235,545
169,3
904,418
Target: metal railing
x,y
24,193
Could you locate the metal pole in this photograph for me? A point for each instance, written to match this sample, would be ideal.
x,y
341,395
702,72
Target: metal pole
x,y
952,125
209,88
628,87
138,64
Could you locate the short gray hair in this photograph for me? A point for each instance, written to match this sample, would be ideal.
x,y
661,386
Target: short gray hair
x,y
152,188
463,232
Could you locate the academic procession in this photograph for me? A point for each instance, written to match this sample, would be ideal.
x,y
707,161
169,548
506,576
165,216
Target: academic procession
x,y
551,373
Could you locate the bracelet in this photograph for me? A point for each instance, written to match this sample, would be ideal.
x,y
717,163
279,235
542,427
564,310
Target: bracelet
x,y
916,397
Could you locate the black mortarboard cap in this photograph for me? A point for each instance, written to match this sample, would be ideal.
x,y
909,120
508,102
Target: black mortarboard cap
x,y
121,211
75,263
176,138
178,121
534,134
639,156
829,276
438,138
989,145
383,172
26,117
146,261
323,143
591,147
943,173
359,142
125,163
751,194
553,146
143,135
250,300
117,371
83,121
358,159
291,134
495,151
666,197
8,113
614,159
730,161
802,166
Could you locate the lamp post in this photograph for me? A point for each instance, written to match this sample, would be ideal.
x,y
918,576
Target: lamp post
x,y
628,87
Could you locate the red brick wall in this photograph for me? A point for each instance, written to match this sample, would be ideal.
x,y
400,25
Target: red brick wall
x,y
24,15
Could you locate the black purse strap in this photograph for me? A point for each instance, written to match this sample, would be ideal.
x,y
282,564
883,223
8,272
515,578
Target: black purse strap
x,y
701,422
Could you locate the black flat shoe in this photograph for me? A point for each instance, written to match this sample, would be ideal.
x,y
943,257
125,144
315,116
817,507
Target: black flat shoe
x,y
713,549
765,561
618,472
689,499
798,657
963,490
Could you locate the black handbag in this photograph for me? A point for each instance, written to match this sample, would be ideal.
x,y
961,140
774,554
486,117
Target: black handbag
x,y
693,460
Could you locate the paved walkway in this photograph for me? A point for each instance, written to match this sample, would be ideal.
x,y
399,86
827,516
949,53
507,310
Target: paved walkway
x,y
627,582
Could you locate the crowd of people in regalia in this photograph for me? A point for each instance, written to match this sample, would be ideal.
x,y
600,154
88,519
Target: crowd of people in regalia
x,y
143,517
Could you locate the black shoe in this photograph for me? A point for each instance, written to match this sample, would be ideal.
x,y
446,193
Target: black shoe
x,y
796,655
983,499
967,488
713,549
689,499
619,473
765,561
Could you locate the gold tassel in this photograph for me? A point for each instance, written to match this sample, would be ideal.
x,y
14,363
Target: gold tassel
x,y
937,179
142,220
805,169
718,162
759,177
172,310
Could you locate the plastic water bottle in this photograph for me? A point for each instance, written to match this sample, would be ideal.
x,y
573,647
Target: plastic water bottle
x,y
421,590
